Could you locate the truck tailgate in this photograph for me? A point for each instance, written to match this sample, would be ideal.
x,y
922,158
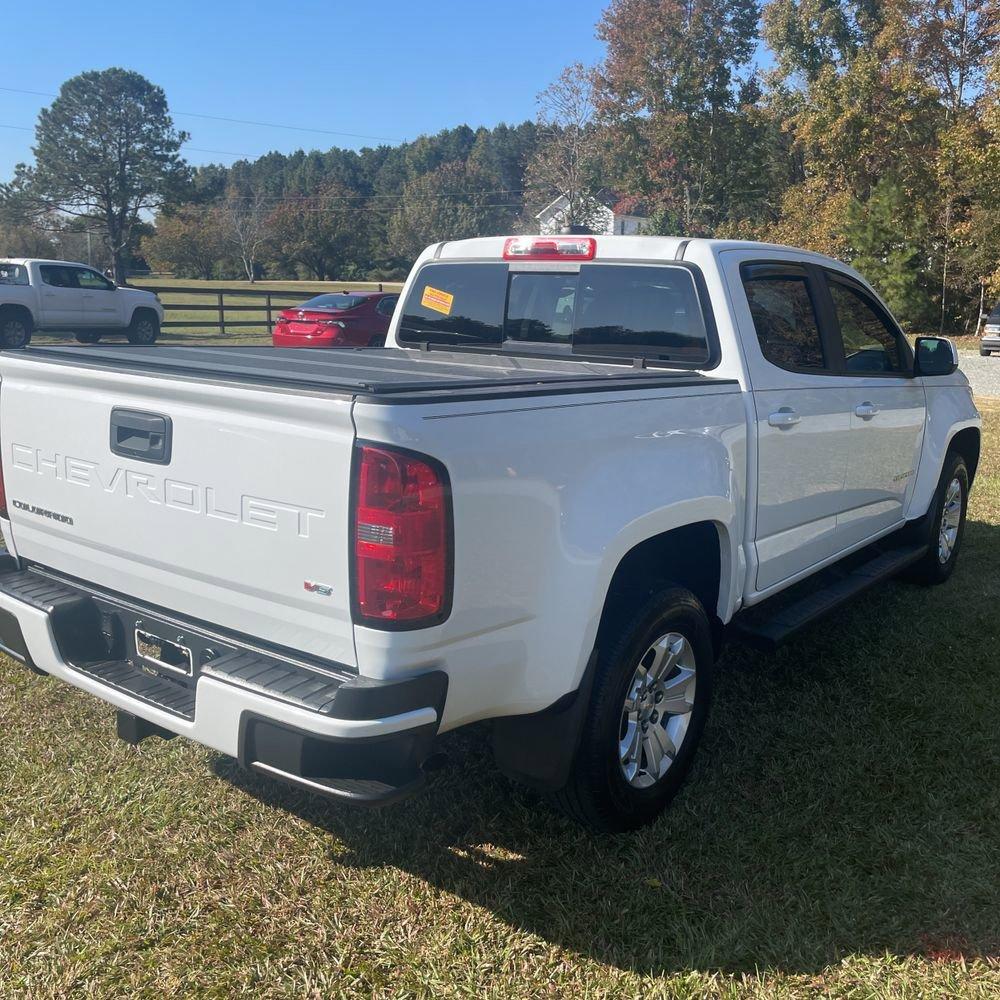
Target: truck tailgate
x,y
240,523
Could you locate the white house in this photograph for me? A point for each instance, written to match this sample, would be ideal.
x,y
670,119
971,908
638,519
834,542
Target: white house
x,y
605,221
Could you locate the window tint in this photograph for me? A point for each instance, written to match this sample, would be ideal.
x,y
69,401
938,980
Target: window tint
x,y
540,307
386,306
994,317
13,274
784,315
58,276
655,308
870,344
455,304
91,279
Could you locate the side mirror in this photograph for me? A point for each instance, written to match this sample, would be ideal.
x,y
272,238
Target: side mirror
x,y
935,356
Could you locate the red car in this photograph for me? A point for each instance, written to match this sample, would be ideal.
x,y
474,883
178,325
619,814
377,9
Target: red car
x,y
337,319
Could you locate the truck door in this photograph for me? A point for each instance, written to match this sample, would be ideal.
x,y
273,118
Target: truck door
x,y
803,411
60,297
887,406
101,301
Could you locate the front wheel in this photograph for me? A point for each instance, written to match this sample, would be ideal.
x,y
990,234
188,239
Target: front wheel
x,y
15,331
144,330
945,524
649,702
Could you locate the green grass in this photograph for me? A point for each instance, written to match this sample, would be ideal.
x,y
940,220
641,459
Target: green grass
x,y
840,835
285,294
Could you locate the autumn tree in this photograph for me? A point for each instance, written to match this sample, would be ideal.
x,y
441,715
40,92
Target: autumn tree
x,y
107,152
190,242
245,217
565,162
453,202
669,95
319,233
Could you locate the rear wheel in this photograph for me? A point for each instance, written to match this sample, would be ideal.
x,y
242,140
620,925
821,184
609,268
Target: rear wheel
x,y
88,336
145,329
648,707
15,330
983,353
945,524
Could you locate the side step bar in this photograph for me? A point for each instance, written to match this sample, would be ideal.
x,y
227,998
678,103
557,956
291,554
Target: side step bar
x,y
757,628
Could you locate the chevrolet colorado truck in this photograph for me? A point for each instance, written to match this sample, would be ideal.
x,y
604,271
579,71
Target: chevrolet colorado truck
x,y
57,296
578,465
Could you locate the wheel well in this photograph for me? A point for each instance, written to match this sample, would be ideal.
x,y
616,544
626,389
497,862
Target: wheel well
x,y
689,557
967,443
143,311
22,312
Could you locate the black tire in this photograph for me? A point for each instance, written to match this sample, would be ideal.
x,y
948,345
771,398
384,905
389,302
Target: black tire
x,y
15,330
88,336
145,328
983,353
598,794
936,566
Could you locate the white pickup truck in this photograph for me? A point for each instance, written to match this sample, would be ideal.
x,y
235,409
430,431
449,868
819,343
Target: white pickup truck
x,y
58,296
578,465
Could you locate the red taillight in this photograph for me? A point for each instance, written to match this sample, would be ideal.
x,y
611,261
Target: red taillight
x,y
402,538
550,248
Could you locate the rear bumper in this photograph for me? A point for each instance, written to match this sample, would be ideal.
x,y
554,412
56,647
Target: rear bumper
x,y
364,740
990,342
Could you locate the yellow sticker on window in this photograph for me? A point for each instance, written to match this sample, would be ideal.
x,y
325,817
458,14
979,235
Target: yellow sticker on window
x,y
434,298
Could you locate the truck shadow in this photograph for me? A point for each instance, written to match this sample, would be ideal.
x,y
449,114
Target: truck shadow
x,y
845,800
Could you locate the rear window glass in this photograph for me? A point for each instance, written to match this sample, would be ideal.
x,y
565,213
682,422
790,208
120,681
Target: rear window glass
x,y
13,274
994,317
601,309
334,301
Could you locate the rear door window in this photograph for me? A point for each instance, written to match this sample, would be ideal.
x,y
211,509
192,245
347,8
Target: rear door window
x,y
784,315
596,309
58,276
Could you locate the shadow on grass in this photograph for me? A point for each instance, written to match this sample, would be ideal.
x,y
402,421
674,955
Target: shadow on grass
x,y
845,800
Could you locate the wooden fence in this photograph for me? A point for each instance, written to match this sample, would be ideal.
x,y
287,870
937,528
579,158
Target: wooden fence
x,y
228,308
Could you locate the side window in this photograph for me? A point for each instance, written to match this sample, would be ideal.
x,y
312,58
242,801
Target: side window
x,y
386,306
871,345
784,315
92,280
58,276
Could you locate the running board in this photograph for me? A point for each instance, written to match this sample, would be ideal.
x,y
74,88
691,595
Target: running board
x,y
757,628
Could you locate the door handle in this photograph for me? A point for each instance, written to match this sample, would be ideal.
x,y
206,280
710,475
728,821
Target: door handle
x,y
866,410
784,417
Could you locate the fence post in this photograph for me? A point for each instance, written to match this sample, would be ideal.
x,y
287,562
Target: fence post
x,y
270,328
222,315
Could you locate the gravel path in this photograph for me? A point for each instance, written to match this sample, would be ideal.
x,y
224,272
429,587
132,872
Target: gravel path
x,y
983,373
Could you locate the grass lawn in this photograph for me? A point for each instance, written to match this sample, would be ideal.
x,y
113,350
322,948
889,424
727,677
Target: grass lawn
x,y
840,835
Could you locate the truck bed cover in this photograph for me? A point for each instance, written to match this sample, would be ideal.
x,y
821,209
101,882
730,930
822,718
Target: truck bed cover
x,y
390,375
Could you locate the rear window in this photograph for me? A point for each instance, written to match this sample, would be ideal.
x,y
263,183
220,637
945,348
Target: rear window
x,y
13,274
994,317
599,309
339,302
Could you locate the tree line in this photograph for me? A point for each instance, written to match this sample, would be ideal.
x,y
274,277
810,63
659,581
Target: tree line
x,y
864,129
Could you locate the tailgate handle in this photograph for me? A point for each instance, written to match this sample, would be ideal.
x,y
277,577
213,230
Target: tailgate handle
x,y
142,436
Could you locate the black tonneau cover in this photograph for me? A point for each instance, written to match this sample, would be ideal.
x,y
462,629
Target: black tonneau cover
x,y
384,374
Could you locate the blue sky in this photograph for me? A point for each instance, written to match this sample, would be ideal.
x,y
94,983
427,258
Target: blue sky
x,y
390,68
